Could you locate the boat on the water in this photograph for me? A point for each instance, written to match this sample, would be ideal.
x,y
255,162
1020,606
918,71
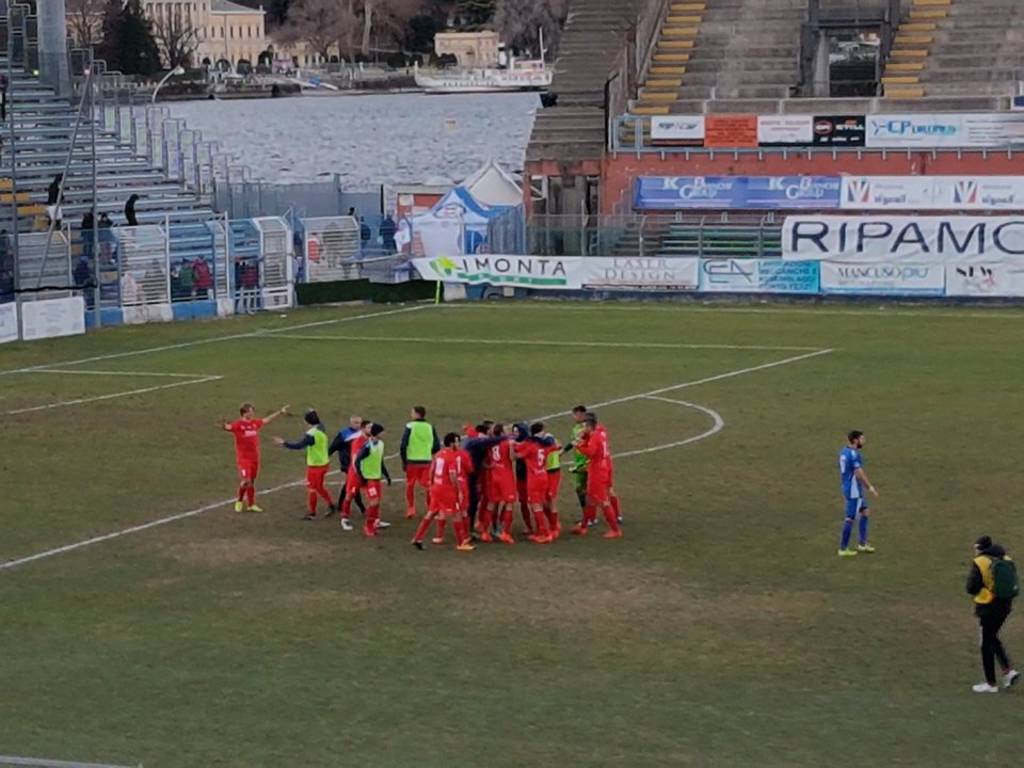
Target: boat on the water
x,y
526,75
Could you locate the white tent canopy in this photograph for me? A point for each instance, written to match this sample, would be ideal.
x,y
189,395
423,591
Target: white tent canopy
x,y
493,186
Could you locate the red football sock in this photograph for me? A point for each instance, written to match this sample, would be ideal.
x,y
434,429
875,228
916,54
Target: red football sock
x,y
410,495
325,495
589,514
311,501
616,506
250,495
370,527
486,520
461,530
421,529
611,519
553,522
506,520
346,507
440,528
541,524
242,491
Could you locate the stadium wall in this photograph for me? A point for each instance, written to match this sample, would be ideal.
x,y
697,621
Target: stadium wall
x,y
619,171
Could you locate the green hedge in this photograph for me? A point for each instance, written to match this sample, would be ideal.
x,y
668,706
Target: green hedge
x,y
363,290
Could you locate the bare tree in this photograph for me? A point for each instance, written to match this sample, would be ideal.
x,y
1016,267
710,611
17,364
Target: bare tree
x,y
177,36
318,23
85,21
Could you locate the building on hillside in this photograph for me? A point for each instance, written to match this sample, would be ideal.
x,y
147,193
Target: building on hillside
x,y
224,31
471,49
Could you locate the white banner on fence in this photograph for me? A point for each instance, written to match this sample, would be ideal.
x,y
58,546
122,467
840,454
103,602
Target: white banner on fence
x,y
543,272
906,239
8,322
677,127
935,193
995,279
890,279
785,129
910,131
640,274
47,318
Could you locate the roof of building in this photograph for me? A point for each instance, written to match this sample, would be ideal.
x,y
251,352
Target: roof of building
x,y
225,6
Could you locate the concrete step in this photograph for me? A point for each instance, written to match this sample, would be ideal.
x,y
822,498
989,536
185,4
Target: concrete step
x,y
714,66
732,78
734,92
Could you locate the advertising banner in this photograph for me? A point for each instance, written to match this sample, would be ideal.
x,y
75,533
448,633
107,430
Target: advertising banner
x,y
9,322
839,131
910,131
737,192
889,279
53,317
678,128
758,276
542,272
936,193
641,274
730,131
785,130
904,239
985,279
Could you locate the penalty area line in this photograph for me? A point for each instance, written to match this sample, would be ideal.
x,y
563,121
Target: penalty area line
x,y
111,395
655,394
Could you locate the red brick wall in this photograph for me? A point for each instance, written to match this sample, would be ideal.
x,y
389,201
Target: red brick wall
x,y
618,172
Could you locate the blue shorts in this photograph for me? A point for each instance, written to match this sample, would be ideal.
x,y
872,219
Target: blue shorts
x,y
855,506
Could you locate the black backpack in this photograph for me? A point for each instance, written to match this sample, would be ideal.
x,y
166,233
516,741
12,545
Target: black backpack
x,y
1005,584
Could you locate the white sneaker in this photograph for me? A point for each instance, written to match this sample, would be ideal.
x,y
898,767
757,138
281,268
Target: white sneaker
x,y
985,688
1011,678
382,524
346,524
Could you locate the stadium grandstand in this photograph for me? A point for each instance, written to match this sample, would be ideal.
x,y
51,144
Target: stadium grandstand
x,y
765,88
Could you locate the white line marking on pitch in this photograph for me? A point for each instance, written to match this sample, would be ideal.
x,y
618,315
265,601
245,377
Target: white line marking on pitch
x,y
215,339
206,508
717,426
112,395
538,342
80,372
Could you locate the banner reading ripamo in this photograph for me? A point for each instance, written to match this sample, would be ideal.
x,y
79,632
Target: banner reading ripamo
x,y
538,272
904,239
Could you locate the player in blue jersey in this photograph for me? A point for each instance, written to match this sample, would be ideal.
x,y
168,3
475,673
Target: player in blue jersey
x,y
854,483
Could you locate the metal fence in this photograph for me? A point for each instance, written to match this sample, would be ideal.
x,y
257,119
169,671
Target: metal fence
x,y
644,235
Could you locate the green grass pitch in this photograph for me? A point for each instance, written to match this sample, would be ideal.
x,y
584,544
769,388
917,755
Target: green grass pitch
x,y
722,630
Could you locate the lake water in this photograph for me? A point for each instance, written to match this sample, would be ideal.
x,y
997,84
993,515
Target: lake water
x,y
368,140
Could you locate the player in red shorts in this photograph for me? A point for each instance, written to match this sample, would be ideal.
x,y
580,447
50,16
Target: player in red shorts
x,y
501,487
593,443
353,484
371,470
418,446
533,452
246,431
613,497
448,490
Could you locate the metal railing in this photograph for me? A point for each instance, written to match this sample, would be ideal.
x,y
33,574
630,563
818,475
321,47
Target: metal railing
x,y
645,236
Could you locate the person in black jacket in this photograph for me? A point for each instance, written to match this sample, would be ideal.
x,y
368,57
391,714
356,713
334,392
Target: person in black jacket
x,y
342,445
992,612
129,211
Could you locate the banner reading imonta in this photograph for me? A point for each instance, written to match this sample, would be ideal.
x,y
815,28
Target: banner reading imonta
x,y
539,272
904,239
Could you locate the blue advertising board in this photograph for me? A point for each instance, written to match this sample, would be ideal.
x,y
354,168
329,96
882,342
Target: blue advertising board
x,y
759,276
737,192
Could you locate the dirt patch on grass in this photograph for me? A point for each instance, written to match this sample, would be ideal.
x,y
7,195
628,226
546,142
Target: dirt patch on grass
x,y
249,550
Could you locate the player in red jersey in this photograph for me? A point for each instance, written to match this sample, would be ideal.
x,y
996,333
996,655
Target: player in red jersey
x,y
246,431
353,483
593,444
612,496
449,474
533,452
501,487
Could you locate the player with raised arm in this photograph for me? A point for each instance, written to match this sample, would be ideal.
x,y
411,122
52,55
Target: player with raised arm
x,y
246,431
853,482
314,443
370,468
593,443
447,497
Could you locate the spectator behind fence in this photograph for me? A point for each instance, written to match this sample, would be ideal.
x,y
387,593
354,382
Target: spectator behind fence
x,y
186,280
129,211
54,201
203,278
387,234
86,233
364,234
129,289
4,85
